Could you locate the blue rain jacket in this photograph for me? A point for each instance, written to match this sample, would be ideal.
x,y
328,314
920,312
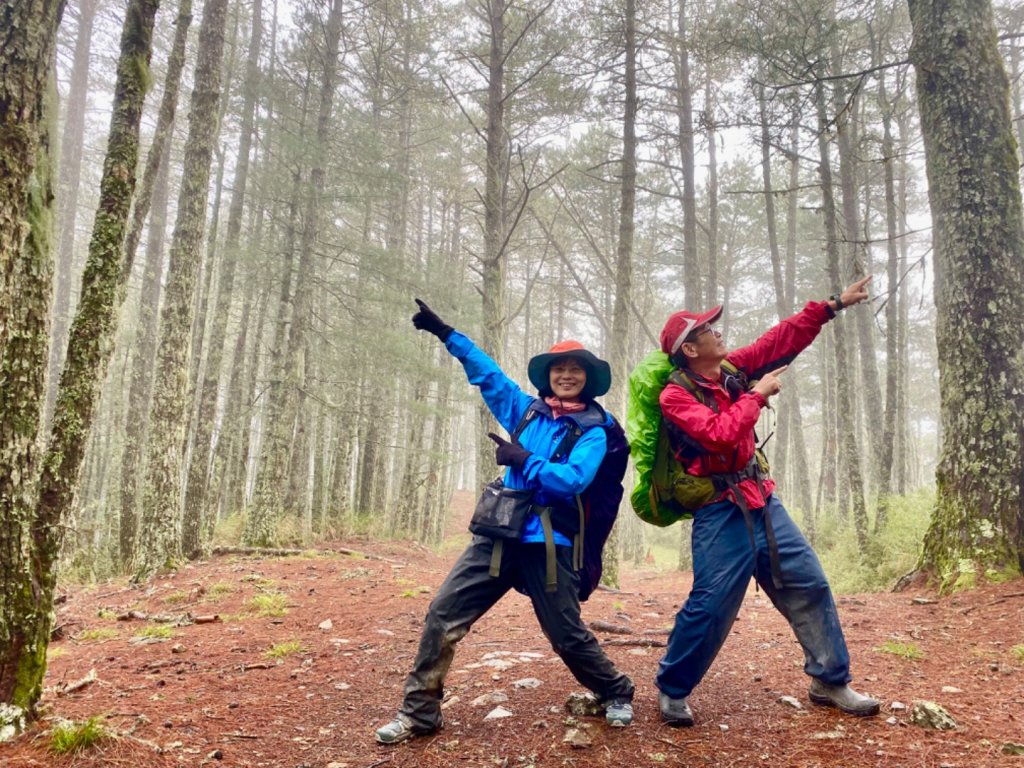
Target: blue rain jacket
x,y
554,483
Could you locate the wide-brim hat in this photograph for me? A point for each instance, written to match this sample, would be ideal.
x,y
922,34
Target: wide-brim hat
x,y
681,324
599,373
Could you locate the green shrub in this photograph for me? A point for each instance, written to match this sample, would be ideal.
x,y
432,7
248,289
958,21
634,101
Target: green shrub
x,y
71,736
889,553
1018,652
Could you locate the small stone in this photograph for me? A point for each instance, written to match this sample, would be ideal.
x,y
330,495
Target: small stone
x,y
723,727
757,678
232,705
1010,748
215,755
326,625
828,735
494,697
897,706
789,701
928,714
498,713
950,689
583,704
449,701
337,765
385,632
891,720
577,738
527,682
177,648
341,686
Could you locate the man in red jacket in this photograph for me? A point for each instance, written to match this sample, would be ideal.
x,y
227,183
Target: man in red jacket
x,y
745,531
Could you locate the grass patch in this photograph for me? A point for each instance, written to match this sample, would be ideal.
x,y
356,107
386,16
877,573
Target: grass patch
x,y
155,632
258,581
903,650
280,650
414,592
55,653
1018,652
97,635
71,736
176,597
268,604
106,614
220,589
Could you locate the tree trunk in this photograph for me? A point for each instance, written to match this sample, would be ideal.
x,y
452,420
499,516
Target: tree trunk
x,y
495,224
692,296
975,196
197,509
153,193
161,498
624,261
70,169
272,480
849,453
26,228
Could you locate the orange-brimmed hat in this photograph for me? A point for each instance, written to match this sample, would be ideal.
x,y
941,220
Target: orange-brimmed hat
x,y
599,373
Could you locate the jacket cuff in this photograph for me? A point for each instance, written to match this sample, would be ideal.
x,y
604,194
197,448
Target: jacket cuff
x,y
760,399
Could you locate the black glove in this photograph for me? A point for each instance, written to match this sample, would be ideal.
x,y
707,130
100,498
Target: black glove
x,y
509,454
427,320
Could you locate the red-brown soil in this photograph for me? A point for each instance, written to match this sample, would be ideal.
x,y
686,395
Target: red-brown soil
x,y
209,695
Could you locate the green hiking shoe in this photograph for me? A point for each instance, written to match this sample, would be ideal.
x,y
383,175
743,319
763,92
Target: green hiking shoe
x,y
394,732
619,714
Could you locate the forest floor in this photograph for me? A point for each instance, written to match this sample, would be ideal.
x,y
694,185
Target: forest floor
x,y
218,693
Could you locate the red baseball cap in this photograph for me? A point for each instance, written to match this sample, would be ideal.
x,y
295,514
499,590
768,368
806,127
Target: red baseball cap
x,y
681,324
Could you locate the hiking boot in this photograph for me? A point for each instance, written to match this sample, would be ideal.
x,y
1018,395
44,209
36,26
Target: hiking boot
x,y
675,712
394,732
843,698
619,714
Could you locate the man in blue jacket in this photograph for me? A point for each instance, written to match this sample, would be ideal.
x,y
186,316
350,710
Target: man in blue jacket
x,y
568,378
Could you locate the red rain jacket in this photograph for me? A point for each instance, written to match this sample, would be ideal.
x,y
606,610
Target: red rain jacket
x,y
728,435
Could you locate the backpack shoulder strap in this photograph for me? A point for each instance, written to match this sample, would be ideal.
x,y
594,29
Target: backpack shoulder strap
x,y
529,415
681,379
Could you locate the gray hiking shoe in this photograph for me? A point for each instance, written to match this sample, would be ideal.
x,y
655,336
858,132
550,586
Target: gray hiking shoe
x,y
675,712
843,698
619,714
394,732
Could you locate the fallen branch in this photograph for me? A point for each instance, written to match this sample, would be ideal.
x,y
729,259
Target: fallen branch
x,y
647,642
89,679
281,552
264,551
1002,599
674,744
240,736
205,619
257,665
606,626
129,615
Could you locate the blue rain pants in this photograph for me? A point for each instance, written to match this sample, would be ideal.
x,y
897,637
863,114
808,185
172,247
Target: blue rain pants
x,y
723,562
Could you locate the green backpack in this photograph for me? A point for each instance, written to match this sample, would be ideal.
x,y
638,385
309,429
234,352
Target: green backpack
x,y
665,492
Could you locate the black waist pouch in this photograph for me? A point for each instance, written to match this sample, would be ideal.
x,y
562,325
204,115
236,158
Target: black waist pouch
x,y
501,512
